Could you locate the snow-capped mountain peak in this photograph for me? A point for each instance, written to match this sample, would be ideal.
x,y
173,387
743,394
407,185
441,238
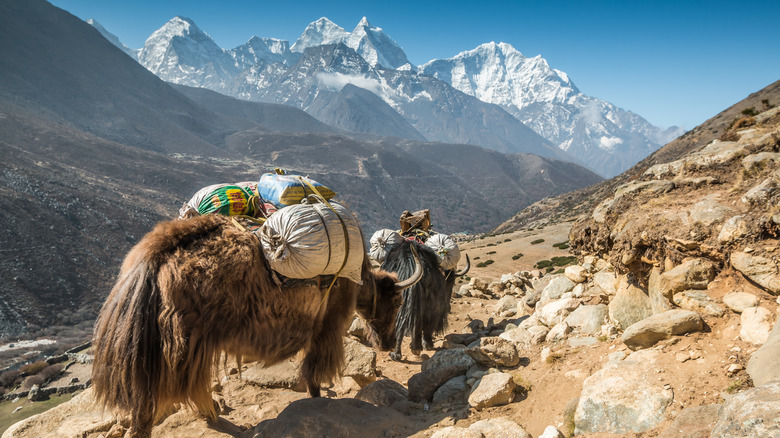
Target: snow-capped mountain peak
x,y
319,32
258,51
375,46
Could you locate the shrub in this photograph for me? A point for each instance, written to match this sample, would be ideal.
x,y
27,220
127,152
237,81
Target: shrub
x,y
729,136
485,263
491,244
9,378
563,261
507,240
549,269
537,241
541,264
750,111
34,368
491,252
517,256
562,245
477,258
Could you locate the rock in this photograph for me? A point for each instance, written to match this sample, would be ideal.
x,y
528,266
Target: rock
x,y
716,153
452,391
359,362
448,359
698,301
762,160
326,417
495,288
665,170
650,188
755,325
479,283
69,419
531,298
629,306
739,301
599,214
35,394
495,351
583,342
501,427
658,302
734,229
383,392
609,402
648,332
761,193
423,385
708,211
506,303
606,281
358,328
693,274
523,337
456,432
556,311
694,422
576,273
558,332
558,286
762,366
759,270
492,390
751,413
588,319
464,291
285,374
551,432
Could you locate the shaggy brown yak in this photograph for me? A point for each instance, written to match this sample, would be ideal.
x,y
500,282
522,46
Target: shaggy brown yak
x,y
192,289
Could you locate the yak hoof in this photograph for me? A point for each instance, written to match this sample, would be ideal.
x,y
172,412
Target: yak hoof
x,y
416,352
396,356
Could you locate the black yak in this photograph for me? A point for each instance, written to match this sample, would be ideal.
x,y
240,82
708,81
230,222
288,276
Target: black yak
x,y
192,289
425,306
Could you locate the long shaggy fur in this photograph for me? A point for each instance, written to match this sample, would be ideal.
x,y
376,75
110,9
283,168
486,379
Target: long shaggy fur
x,y
195,288
425,306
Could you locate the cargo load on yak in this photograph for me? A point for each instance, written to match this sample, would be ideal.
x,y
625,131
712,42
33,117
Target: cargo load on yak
x,y
239,199
381,242
283,189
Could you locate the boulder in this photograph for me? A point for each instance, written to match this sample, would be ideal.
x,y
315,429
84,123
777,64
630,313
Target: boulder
x,y
759,270
479,283
383,392
452,391
716,153
423,385
659,303
665,170
449,358
501,427
588,319
72,418
650,188
761,193
326,417
558,332
762,366
609,402
606,281
698,301
740,301
751,413
551,432
693,274
648,332
734,229
576,273
762,160
495,351
507,303
755,325
494,389
557,311
558,286
456,432
708,211
629,306
693,422
359,362
285,374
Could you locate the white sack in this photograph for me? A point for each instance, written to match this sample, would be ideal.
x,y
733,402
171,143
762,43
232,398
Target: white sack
x,y
446,248
307,240
381,242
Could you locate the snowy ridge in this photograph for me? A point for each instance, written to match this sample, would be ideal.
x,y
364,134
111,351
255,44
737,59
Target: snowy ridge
x,y
133,53
524,92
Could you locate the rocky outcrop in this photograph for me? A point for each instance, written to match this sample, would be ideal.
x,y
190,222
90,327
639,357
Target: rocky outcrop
x,y
752,413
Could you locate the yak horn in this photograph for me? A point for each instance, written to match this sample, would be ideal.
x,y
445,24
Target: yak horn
x,y
416,275
466,269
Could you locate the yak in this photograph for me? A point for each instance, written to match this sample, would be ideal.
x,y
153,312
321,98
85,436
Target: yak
x,y
425,305
193,289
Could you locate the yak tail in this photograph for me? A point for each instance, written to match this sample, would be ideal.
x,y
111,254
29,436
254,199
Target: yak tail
x,y
127,352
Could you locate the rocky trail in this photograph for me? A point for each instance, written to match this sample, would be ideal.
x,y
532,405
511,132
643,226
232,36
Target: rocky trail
x,y
664,325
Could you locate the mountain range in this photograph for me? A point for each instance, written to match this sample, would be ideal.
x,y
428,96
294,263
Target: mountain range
x,y
97,149
435,99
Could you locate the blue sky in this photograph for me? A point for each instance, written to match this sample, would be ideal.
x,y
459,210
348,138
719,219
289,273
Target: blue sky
x,y
672,62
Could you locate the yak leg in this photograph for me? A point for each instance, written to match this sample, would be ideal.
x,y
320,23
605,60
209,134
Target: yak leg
x,y
396,353
142,422
325,356
416,346
427,340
